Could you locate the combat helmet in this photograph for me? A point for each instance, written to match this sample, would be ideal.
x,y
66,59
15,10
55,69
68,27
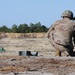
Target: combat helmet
x,y
67,13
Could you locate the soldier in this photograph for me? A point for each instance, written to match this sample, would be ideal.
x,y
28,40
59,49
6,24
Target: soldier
x,y
61,33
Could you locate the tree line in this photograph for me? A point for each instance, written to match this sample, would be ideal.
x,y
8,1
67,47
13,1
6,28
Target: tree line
x,y
24,28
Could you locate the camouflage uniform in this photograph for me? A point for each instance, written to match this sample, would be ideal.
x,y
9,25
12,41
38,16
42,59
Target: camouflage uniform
x,y
60,35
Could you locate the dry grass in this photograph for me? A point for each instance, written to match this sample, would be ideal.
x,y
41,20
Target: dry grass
x,y
13,46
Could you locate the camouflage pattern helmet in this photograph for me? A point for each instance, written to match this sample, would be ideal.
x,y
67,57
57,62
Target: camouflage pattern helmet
x,y
67,13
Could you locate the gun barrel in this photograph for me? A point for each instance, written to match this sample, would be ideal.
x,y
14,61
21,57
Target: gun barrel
x,y
73,18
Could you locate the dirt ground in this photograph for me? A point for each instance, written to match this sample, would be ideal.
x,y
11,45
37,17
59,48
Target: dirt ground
x,y
45,62
55,65
13,46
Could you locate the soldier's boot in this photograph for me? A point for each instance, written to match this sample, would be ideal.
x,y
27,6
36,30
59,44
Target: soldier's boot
x,y
58,53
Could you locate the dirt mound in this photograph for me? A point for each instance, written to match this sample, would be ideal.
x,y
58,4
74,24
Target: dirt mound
x,y
55,65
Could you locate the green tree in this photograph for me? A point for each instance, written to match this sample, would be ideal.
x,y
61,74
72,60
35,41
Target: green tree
x,y
4,29
32,27
25,28
44,28
20,28
38,27
14,28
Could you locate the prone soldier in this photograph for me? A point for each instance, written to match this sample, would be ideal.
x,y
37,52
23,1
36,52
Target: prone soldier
x,y
61,33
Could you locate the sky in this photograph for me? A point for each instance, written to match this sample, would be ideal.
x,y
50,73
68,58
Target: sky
x,y
33,11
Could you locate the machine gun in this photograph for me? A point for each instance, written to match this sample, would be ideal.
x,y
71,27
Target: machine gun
x,y
73,18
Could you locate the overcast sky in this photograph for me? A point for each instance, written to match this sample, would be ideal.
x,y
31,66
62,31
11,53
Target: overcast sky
x,y
33,11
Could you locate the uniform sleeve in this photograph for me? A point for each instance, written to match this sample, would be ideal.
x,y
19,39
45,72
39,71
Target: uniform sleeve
x,y
49,31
